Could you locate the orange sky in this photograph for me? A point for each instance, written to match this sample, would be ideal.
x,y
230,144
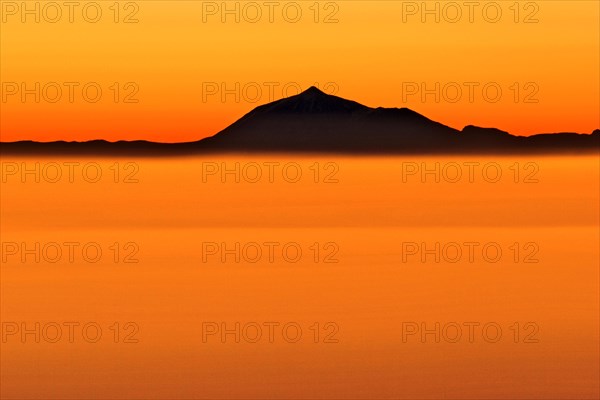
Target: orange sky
x,y
175,58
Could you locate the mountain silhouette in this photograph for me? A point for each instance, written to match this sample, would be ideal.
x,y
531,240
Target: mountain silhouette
x,y
313,121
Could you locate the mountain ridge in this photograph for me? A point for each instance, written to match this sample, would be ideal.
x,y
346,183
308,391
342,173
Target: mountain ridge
x,y
316,122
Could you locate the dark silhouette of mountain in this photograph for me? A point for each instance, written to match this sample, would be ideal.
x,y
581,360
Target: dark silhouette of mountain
x,y
314,122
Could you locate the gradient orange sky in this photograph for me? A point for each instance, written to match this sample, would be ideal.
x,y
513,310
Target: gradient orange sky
x,y
178,49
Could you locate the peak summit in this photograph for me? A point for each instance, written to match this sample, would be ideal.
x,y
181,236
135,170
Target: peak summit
x,y
314,100
313,90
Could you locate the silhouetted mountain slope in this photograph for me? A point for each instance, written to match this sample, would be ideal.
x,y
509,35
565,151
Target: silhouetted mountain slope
x,y
313,121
